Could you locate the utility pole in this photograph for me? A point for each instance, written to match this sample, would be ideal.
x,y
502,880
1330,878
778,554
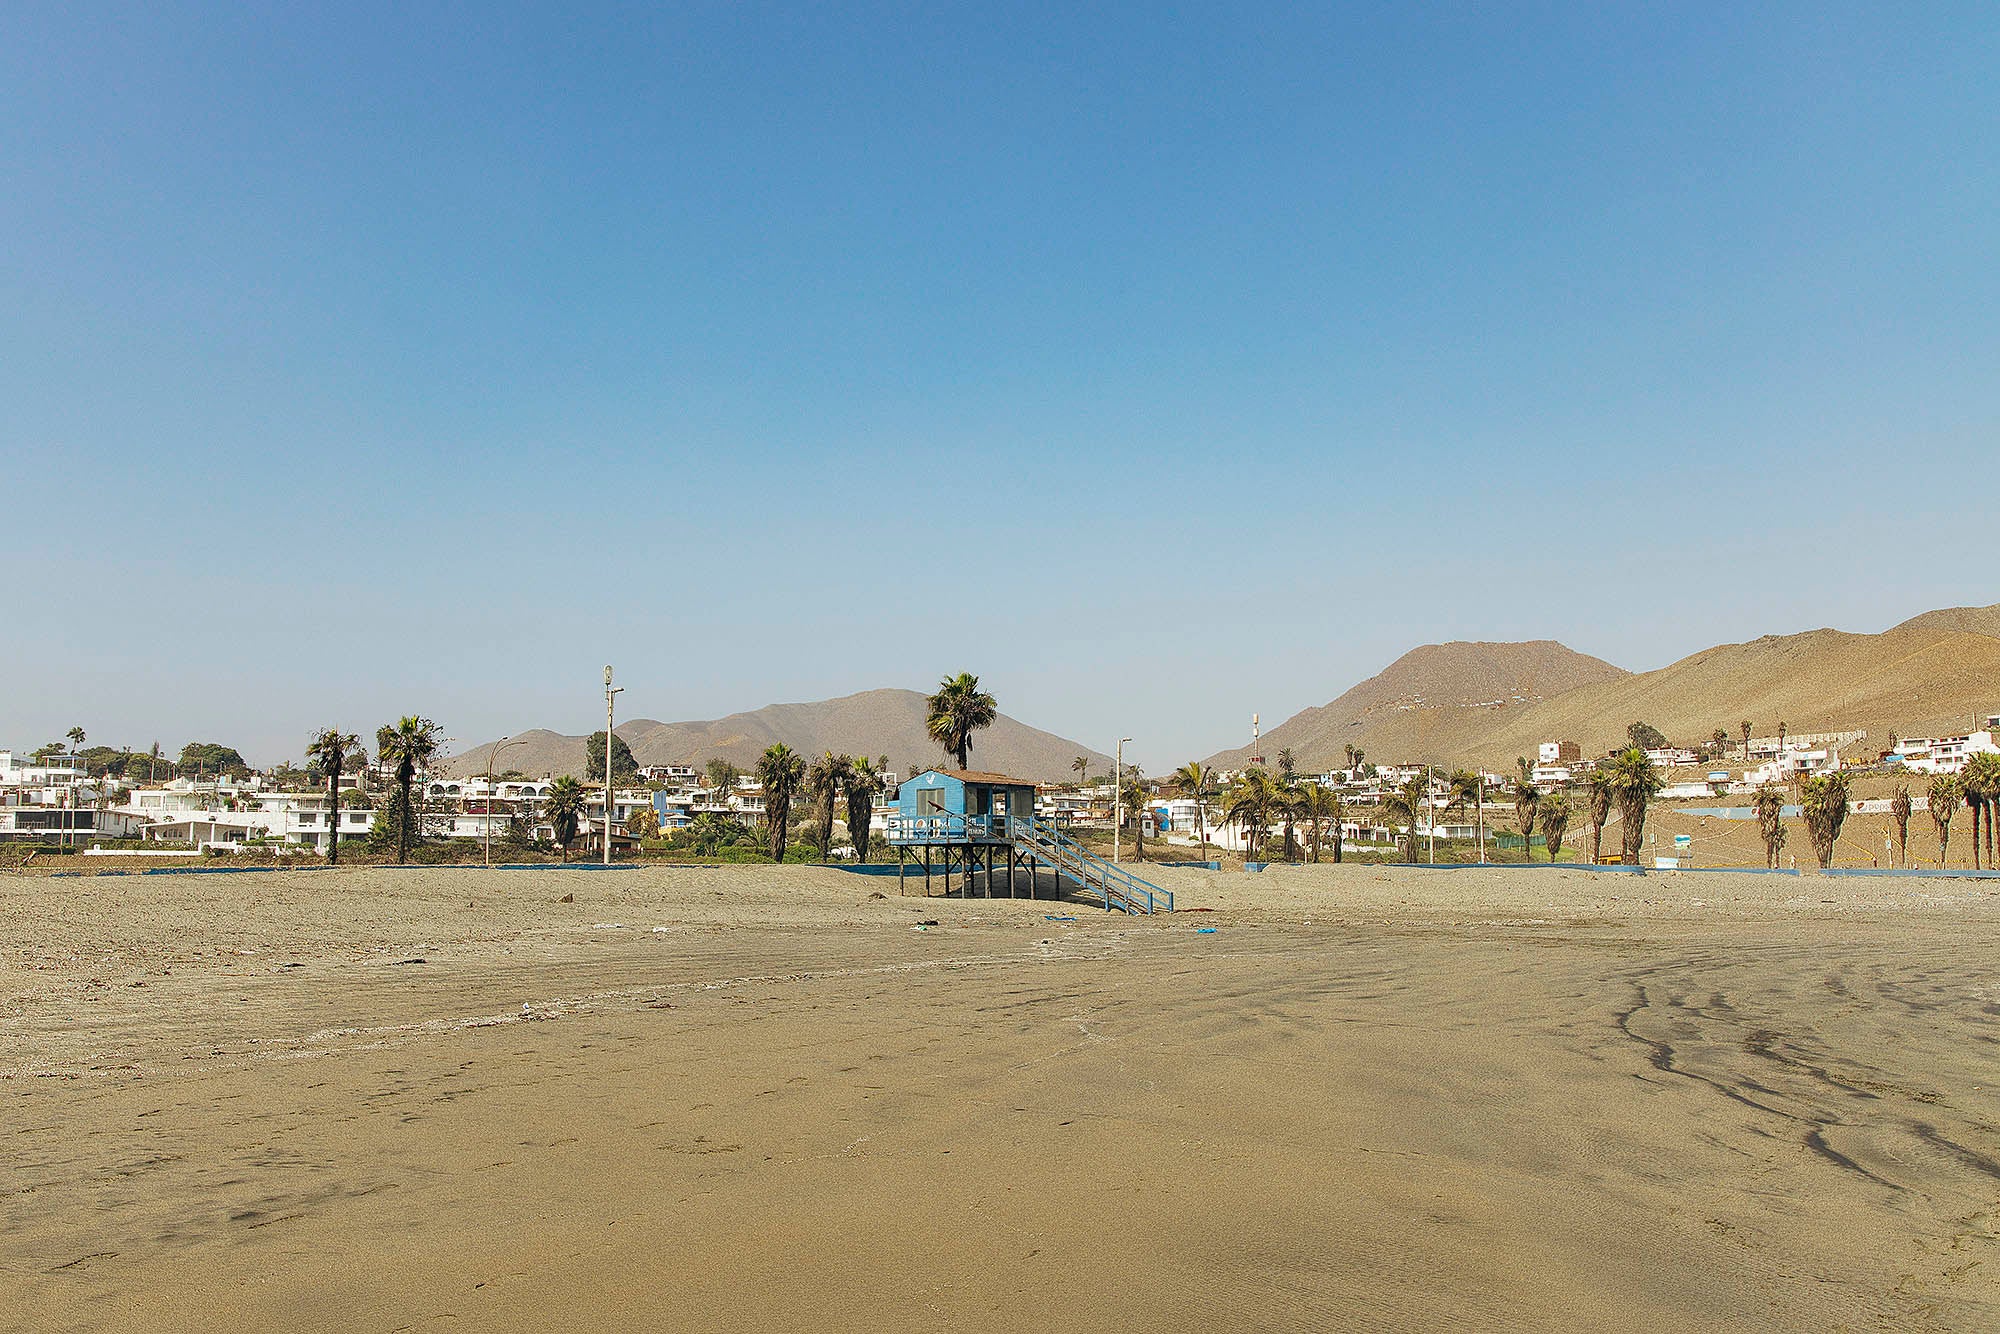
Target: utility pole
x,y
610,699
1118,798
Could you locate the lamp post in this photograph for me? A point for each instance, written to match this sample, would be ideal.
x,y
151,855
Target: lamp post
x,y
492,755
1118,799
610,697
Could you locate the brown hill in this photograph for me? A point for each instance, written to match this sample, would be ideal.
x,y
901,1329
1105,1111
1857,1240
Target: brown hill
x,y
1966,620
1925,675
874,722
1437,684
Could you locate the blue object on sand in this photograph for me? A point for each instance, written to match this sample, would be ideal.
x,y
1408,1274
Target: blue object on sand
x,y
1047,918
1204,931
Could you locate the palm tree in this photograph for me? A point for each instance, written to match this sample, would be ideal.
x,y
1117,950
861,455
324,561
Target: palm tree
x,y
410,745
1525,798
1135,797
332,749
1745,728
1720,740
1285,804
1350,752
1825,810
957,710
1405,805
1248,803
1943,796
1360,757
1770,807
822,786
1287,764
564,807
782,772
861,783
1899,811
152,761
1197,784
1468,790
1318,806
1080,766
1554,810
1634,782
76,739
1982,776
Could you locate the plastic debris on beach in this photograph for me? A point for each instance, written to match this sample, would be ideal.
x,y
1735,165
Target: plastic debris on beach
x,y
1047,918
607,926
1204,931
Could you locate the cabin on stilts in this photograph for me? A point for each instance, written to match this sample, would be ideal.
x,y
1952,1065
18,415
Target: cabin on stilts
x,y
983,825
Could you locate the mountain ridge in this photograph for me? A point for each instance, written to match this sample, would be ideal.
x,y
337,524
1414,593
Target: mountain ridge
x,y
887,721
1937,670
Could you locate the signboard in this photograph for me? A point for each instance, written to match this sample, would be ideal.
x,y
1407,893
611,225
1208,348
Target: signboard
x,y
1683,840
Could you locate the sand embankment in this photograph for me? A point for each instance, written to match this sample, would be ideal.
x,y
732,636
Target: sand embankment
x,y
733,1097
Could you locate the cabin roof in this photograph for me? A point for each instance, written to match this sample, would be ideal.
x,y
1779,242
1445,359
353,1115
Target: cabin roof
x,y
975,776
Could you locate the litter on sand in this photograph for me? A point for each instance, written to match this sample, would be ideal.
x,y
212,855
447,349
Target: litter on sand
x,y
1204,931
1047,918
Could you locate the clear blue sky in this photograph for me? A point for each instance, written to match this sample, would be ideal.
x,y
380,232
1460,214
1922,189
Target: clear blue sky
x,y
1157,366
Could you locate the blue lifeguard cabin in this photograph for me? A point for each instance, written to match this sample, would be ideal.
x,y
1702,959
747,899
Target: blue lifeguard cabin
x,y
977,820
963,792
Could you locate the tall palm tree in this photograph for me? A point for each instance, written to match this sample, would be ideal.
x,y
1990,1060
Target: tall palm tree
x,y
331,749
1770,808
1526,797
1745,727
410,745
1982,775
782,772
1554,811
1348,750
1285,806
822,786
1248,803
1135,797
1287,763
1635,781
1080,766
957,710
152,761
1943,796
1899,811
1194,781
76,739
1824,807
1405,806
861,783
1467,792
564,807
1320,806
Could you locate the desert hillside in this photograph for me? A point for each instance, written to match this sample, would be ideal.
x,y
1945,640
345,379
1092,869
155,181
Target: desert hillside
x,y
1451,683
1934,672
874,722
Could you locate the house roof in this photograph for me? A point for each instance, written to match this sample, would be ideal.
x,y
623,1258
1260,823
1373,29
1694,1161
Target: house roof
x,y
975,776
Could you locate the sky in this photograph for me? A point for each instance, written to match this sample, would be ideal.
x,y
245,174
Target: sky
x,y
1158,365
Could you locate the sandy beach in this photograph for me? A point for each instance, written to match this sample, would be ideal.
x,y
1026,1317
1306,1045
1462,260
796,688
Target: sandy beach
x,y
738,1098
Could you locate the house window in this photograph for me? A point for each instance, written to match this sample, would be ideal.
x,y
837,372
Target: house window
x,y
930,801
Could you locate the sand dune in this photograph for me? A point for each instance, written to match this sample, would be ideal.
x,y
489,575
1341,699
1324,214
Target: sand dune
x,y
739,1097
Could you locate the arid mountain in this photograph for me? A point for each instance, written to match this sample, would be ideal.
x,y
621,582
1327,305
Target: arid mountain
x,y
1935,672
1968,620
1437,685
874,722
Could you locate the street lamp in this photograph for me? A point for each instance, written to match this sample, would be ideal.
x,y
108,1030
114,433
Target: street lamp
x,y
492,755
1118,798
610,696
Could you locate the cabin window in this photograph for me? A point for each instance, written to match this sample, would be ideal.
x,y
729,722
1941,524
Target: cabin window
x,y
930,801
